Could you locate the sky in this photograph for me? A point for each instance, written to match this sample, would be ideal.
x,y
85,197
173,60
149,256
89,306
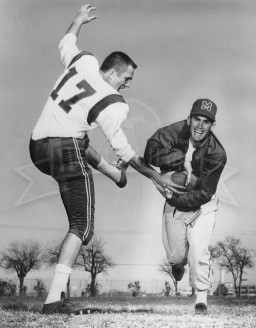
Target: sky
x,y
184,50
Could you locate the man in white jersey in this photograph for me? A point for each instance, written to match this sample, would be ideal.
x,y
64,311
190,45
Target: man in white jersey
x,y
85,97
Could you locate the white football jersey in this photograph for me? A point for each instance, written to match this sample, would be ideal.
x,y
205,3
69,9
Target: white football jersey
x,y
81,100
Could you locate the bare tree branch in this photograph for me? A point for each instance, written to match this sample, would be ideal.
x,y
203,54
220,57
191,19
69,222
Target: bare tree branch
x,y
93,260
166,268
21,258
230,255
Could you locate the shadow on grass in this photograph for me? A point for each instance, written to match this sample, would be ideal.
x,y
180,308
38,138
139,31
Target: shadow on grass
x,y
112,311
21,305
112,306
18,306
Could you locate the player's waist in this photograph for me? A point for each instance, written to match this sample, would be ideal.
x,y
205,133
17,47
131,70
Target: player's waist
x,y
41,133
62,140
186,209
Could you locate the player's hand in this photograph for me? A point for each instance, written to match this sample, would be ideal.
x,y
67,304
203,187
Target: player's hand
x,y
122,166
164,191
166,182
83,16
188,168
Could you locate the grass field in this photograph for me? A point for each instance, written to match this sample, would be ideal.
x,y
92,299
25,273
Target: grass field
x,y
129,312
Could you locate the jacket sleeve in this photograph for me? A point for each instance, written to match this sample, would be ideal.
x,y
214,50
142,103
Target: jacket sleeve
x,y
206,184
161,152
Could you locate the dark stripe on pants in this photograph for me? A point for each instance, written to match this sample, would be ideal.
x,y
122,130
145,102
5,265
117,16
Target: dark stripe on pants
x,y
64,159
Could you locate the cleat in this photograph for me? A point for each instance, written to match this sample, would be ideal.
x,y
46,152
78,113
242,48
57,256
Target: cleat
x,y
201,309
122,166
178,272
63,306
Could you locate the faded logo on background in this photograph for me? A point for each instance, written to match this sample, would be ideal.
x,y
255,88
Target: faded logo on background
x,y
140,125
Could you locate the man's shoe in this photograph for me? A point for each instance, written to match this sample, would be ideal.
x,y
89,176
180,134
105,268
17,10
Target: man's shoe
x,y
122,166
64,306
178,272
201,309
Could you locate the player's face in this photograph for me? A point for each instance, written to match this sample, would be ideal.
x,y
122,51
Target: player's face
x,y
122,79
200,128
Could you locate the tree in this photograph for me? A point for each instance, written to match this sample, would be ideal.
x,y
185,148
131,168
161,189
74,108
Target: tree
x,y
88,288
21,258
134,288
51,256
167,288
193,292
40,288
7,288
93,260
221,290
51,253
166,268
230,255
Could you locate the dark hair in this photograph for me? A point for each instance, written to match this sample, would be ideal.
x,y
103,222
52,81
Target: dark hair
x,y
117,60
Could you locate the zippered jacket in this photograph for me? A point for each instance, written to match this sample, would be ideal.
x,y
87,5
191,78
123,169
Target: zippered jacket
x,y
167,150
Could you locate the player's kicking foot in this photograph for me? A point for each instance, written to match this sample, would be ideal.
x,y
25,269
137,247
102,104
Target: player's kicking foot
x,y
122,166
178,272
64,306
201,309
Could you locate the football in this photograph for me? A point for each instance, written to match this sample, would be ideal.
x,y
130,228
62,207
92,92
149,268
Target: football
x,y
180,179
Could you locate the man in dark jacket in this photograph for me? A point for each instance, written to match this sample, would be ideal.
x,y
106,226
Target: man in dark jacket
x,y
189,219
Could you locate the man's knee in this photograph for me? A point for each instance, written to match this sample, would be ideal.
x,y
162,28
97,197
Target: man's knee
x,y
176,259
88,238
199,254
81,234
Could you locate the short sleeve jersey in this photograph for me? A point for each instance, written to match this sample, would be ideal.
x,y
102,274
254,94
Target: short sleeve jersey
x,y
81,100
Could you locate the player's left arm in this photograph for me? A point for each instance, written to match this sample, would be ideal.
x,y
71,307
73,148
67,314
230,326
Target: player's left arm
x,y
110,121
206,184
115,171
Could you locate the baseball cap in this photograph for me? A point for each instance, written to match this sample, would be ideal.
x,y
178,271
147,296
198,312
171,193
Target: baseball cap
x,y
204,107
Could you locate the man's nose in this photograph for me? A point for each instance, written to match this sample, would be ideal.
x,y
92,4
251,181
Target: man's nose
x,y
127,84
200,125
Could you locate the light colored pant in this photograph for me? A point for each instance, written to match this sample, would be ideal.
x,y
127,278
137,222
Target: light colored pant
x,y
186,238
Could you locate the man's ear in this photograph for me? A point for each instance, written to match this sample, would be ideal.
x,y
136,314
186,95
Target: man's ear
x,y
112,73
213,125
188,120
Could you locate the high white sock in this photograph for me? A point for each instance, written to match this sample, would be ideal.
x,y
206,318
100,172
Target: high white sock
x,y
201,296
59,283
109,170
